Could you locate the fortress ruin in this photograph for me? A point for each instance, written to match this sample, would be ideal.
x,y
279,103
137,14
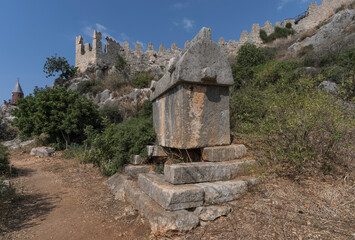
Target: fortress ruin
x,y
157,60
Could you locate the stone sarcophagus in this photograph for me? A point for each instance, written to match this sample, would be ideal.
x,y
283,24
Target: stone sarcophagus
x,y
191,101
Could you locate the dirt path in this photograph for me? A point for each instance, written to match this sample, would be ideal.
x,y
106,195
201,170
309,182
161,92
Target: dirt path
x,y
63,199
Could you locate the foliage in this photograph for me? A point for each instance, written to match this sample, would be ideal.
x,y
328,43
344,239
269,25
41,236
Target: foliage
x,y
54,65
142,79
112,114
93,86
113,148
249,56
7,132
61,114
298,126
75,151
4,161
289,25
279,32
120,63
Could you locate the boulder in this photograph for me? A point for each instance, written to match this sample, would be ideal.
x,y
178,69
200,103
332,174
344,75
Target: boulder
x,y
42,151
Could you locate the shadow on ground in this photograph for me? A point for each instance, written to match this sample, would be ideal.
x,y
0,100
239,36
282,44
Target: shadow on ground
x,y
19,212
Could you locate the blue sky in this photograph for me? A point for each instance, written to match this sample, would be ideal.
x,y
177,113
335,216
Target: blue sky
x,y
32,30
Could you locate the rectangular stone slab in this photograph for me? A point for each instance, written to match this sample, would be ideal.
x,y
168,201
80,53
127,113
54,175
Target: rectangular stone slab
x,y
224,153
160,220
169,196
192,116
221,192
198,172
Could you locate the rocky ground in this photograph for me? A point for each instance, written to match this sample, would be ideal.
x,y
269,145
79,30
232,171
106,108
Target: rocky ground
x,y
63,199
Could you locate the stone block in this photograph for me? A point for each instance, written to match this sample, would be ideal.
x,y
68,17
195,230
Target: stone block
x,y
224,153
170,197
134,170
137,160
198,172
191,100
42,151
116,183
192,116
155,151
225,191
160,220
211,213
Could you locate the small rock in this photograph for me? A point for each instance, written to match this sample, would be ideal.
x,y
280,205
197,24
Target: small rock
x,y
328,86
211,213
137,160
42,151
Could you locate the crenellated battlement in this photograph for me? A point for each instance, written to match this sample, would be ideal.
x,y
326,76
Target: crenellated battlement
x,y
156,60
137,57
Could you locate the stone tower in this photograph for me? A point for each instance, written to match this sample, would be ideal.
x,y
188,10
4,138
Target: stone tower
x,y
17,93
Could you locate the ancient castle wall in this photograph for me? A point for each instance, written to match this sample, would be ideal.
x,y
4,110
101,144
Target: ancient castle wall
x,y
137,59
156,60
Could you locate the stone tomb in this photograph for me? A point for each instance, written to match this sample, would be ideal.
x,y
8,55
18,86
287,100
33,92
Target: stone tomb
x,y
190,111
191,101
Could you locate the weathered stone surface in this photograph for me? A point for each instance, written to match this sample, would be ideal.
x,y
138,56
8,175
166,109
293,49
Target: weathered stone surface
x,y
133,171
192,116
138,160
170,197
224,153
191,101
198,172
221,192
160,220
211,213
203,52
42,151
116,183
155,151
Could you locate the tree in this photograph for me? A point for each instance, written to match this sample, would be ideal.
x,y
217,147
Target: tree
x,y
54,65
61,114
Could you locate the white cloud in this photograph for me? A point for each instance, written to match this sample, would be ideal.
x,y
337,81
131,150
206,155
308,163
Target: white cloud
x,y
89,30
178,5
188,24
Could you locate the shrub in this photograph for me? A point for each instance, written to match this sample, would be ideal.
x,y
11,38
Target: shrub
x,y
248,56
120,63
93,86
298,127
289,25
112,149
75,151
4,161
112,114
142,79
278,33
7,132
61,114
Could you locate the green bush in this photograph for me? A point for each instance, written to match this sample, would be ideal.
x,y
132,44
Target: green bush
x,y
295,124
4,161
54,65
279,32
7,132
120,63
113,148
112,114
142,79
248,56
289,25
61,114
93,86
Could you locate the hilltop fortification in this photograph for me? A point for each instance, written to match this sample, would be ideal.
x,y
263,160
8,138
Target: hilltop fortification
x,y
156,60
